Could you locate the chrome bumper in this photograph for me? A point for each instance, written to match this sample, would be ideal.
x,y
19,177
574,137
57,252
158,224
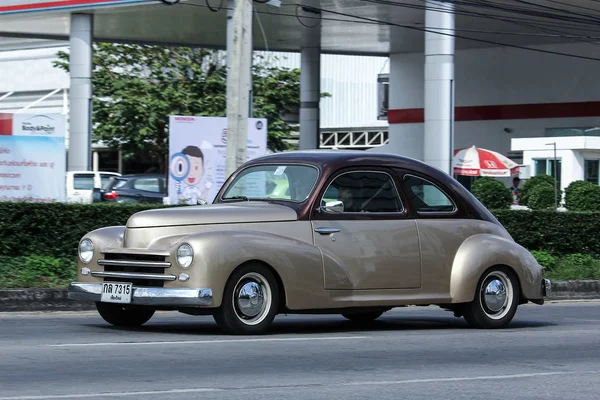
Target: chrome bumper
x,y
546,286
147,296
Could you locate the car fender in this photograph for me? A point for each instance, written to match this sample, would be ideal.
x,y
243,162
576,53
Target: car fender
x,y
102,238
482,251
298,264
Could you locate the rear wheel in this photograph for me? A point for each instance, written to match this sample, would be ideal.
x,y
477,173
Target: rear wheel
x,y
124,315
496,299
250,301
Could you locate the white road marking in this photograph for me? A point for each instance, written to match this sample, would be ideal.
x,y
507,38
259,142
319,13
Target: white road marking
x,y
112,394
293,339
469,378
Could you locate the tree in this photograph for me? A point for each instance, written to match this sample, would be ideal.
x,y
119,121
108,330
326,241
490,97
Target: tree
x,y
137,87
492,193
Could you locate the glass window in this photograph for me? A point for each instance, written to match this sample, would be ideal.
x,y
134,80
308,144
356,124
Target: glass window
x,y
364,192
277,182
546,167
83,181
591,168
104,179
147,184
424,196
115,183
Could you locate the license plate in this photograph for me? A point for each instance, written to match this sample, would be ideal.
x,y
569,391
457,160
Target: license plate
x,y
115,292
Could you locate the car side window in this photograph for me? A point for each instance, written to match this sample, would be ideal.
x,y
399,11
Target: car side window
x,y
424,196
147,184
83,181
362,192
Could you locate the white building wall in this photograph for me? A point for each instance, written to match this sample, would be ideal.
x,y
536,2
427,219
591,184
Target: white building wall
x,y
497,76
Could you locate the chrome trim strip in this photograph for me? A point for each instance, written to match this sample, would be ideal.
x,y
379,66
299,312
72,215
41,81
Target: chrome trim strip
x,y
134,263
325,230
149,296
134,275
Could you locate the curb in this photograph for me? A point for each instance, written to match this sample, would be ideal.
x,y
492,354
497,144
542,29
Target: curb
x,y
57,300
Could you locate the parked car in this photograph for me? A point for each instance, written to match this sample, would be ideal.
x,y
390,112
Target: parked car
x,y
81,184
354,233
134,188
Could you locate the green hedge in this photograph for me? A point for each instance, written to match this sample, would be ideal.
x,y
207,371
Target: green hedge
x,y
38,243
55,229
492,193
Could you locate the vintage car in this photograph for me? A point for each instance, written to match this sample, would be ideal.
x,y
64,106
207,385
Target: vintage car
x,y
352,233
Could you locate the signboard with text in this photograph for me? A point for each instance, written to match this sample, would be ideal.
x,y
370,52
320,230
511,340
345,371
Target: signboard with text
x,y
198,153
32,157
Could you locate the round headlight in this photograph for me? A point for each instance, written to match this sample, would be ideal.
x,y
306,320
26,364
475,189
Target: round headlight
x,y
185,255
86,250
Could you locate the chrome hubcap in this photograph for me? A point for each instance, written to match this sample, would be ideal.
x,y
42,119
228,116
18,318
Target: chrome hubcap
x,y
252,298
496,295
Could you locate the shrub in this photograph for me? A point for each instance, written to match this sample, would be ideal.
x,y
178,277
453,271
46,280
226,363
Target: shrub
x,y
55,229
582,196
558,233
541,197
530,184
545,259
492,193
576,266
36,271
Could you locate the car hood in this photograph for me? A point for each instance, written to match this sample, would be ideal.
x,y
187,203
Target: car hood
x,y
239,212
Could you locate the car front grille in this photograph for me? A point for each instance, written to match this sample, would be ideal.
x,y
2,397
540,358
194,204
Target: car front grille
x,y
139,269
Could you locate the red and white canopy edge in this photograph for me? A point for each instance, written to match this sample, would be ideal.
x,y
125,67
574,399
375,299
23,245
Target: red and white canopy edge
x,y
474,161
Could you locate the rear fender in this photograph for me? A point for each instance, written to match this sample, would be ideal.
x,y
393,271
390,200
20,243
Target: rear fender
x,y
480,252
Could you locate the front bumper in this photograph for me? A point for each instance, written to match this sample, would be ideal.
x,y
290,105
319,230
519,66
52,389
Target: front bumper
x,y
146,296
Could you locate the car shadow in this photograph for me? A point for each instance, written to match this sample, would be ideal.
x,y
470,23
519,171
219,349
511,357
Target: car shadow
x,y
318,324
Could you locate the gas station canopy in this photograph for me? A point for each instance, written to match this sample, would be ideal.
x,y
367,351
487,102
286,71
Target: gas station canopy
x,y
348,26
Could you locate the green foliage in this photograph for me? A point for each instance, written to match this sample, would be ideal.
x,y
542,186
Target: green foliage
x,y
137,87
492,193
541,197
576,266
582,196
545,259
55,229
39,241
36,271
558,233
531,183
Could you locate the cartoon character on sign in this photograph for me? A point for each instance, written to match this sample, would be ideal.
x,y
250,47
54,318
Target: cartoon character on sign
x,y
188,169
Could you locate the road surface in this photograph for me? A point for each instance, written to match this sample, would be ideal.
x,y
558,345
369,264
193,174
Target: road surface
x,y
550,351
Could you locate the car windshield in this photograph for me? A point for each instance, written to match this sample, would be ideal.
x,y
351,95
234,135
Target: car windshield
x,y
273,182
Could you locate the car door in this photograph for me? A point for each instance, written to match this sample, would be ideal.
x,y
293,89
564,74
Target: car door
x,y
370,243
83,185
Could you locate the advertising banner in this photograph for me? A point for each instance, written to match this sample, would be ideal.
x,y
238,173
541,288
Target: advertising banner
x,y
198,153
32,157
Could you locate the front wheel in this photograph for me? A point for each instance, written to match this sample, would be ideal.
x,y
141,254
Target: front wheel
x,y
496,299
124,315
250,301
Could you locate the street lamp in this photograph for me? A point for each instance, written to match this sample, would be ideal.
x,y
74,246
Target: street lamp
x,y
555,177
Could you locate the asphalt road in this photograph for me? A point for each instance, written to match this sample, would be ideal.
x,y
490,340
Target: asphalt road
x,y
550,351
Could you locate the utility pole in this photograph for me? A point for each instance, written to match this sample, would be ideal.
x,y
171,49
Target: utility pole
x,y
239,64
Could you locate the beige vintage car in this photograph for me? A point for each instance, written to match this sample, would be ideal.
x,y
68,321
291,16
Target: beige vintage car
x,y
339,232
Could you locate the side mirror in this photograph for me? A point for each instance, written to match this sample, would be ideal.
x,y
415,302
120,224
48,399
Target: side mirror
x,y
333,206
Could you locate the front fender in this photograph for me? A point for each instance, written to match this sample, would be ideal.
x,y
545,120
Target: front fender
x,y
298,264
102,238
480,252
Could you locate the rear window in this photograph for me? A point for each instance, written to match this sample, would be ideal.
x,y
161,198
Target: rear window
x,y
115,183
105,179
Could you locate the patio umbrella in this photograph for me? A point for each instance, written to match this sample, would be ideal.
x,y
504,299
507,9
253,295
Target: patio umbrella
x,y
474,161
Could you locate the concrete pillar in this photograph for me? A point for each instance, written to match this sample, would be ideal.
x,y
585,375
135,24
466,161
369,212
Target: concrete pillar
x,y
80,93
439,86
310,77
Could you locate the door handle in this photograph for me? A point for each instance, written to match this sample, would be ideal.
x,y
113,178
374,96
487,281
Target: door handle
x,y
326,231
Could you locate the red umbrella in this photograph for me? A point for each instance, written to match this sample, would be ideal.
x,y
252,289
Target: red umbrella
x,y
473,161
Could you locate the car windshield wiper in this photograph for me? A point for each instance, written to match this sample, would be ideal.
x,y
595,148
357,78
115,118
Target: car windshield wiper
x,y
234,198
